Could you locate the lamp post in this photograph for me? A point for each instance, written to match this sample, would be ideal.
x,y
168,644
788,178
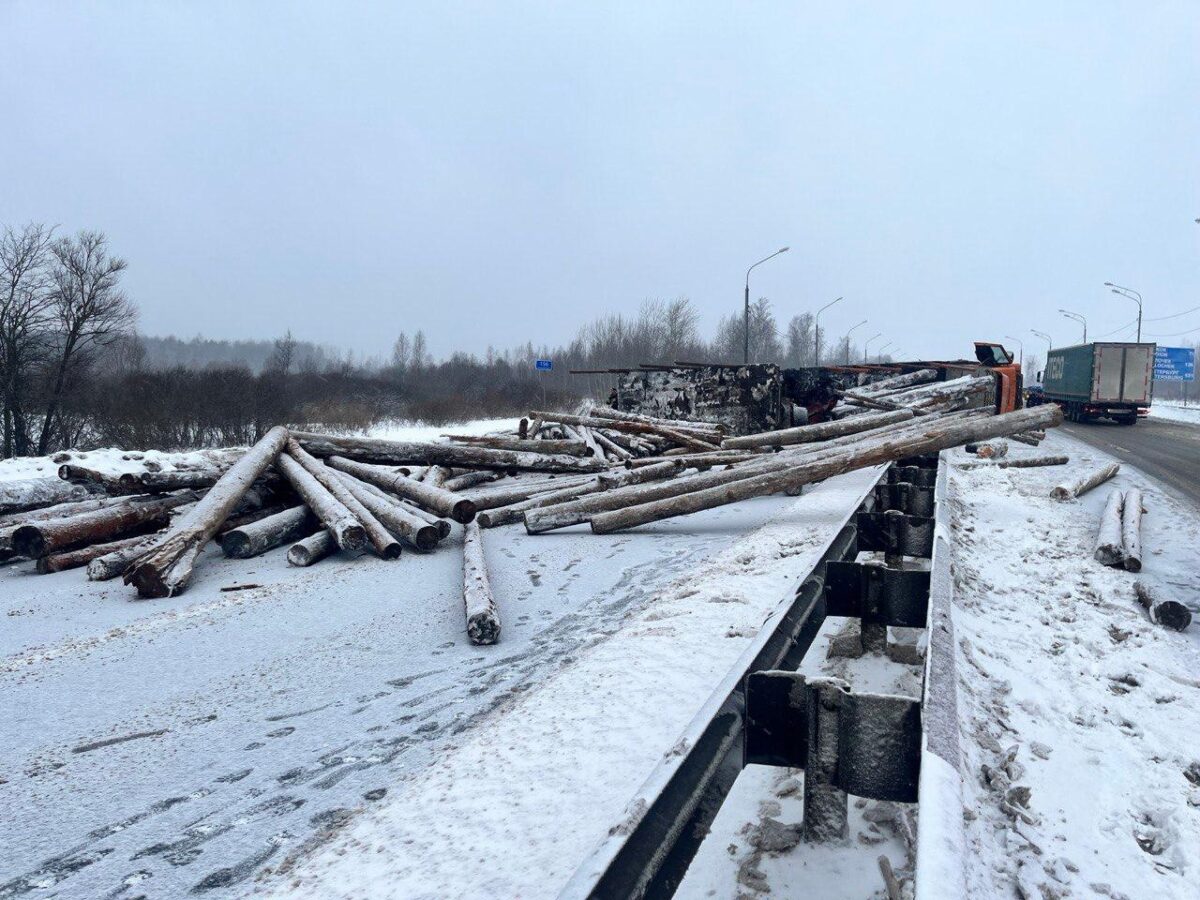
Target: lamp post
x,y
746,316
1078,318
847,339
817,332
867,344
1045,337
879,352
1020,344
1132,295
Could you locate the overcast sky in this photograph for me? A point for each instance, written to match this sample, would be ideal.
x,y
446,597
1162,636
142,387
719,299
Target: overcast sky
x,y
497,173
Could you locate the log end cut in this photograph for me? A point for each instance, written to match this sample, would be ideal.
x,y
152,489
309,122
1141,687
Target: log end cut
x,y
27,541
483,628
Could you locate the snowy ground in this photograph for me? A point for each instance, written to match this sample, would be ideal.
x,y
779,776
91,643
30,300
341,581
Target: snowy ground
x,y
214,741
1175,411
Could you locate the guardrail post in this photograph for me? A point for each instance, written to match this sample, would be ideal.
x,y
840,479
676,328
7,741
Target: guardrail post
x,y
825,805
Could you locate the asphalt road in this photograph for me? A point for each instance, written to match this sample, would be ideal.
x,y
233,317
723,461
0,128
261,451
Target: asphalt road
x,y
1168,451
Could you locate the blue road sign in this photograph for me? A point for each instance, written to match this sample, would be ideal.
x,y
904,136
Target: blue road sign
x,y
1174,364
543,364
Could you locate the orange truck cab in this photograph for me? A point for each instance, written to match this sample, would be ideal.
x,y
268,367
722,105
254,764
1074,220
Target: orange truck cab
x,y
1009,387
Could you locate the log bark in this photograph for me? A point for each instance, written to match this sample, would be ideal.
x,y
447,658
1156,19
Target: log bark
x,y
517,491
1162,611
590,442
698,460
483,618
116,560
51,535
673,434
73,559
1108,535
706,430
94,479
507,515
161,482
896,383
550,446
820,432
1084,482
611,447
166,568
423,493
442,526
1131,530
936,437
391,515
991,450
401,452
268,533
313,548
535,426
1028,462
347,530
436,476
31,493
640,475
1025,439
470,479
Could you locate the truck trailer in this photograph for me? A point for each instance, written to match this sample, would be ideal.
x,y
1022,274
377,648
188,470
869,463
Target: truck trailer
x,y
1100,380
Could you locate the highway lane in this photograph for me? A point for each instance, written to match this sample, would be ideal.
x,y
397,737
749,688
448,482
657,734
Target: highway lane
x,y
1168,451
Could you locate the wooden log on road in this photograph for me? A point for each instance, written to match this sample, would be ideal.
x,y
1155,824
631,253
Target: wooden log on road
x,y
1161,610
804,434
506,515
403,452
640,475
1025,439
470,479
1085,482
1131,530
989,449
313,548
117,559
517,489
937,436
483,618
51,535
590,441
710,431
166,568
345,527
442,526
392,515
424,493
82,556
568,447
1028,462
611,448
31,493
268,533
672,433
1108,535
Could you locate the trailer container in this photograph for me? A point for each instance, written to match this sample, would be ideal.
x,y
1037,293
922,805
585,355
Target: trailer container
x,y
1100,380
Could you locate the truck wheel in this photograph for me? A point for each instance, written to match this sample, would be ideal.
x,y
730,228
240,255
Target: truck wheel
x,y
1127,420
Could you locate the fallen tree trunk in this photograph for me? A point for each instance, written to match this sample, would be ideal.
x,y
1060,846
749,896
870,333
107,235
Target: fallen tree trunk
x,y
1131,530
1084,482
48,536
506,515
590,441
346,529
483,619
823,431
268,533
1168,613
381,539
391,515
166,568
313,548
551,446
423,493
936,437
436,476
31,493
401,452
1108,535
73,559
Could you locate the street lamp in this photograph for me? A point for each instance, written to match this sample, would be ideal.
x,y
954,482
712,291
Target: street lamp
x,y
1045,337
879,352
1021,344
867,344
847,339
1132,295
1078,318
746,318
817,332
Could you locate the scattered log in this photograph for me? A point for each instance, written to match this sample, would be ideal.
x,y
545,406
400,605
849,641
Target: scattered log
x,y
347,530
590,442
1025,439
672,433
1108,536
935,437
898,382
267,533
161,482
31,493
51,535
551,446
470,479
442,526
640,475
523,429
990,449
416,473
436,476
535,426
391,515
423,493
611,448
94,479
518,490
166,568
401,452
697,460
881,403
483,619
1131,530
706,430
73,559
506,515
313,548
820,432
1028,462
1084,482
1168,613
249,517
117,560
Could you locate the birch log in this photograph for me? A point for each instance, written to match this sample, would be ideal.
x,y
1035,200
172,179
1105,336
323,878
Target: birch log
x,y
16,496
938,436
1025,439
424,493
73,559
590,440
442,526
267,533
483,619
51,535
313,548
1168,613
1108,535
392,515
820,432
401,452
346,529
166,568
1131,530
1084,482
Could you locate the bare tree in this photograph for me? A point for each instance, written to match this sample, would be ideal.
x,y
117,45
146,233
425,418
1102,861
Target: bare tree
x,y
420,356
24,314
283,354
87,308
401,352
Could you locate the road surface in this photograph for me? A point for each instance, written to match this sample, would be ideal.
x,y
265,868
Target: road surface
x,y
1168,451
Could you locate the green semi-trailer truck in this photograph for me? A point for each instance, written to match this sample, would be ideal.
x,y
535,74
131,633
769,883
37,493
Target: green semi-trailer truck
x,y
1100,380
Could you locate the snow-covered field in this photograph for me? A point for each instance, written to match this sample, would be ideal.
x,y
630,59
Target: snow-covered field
x,y
1175,411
